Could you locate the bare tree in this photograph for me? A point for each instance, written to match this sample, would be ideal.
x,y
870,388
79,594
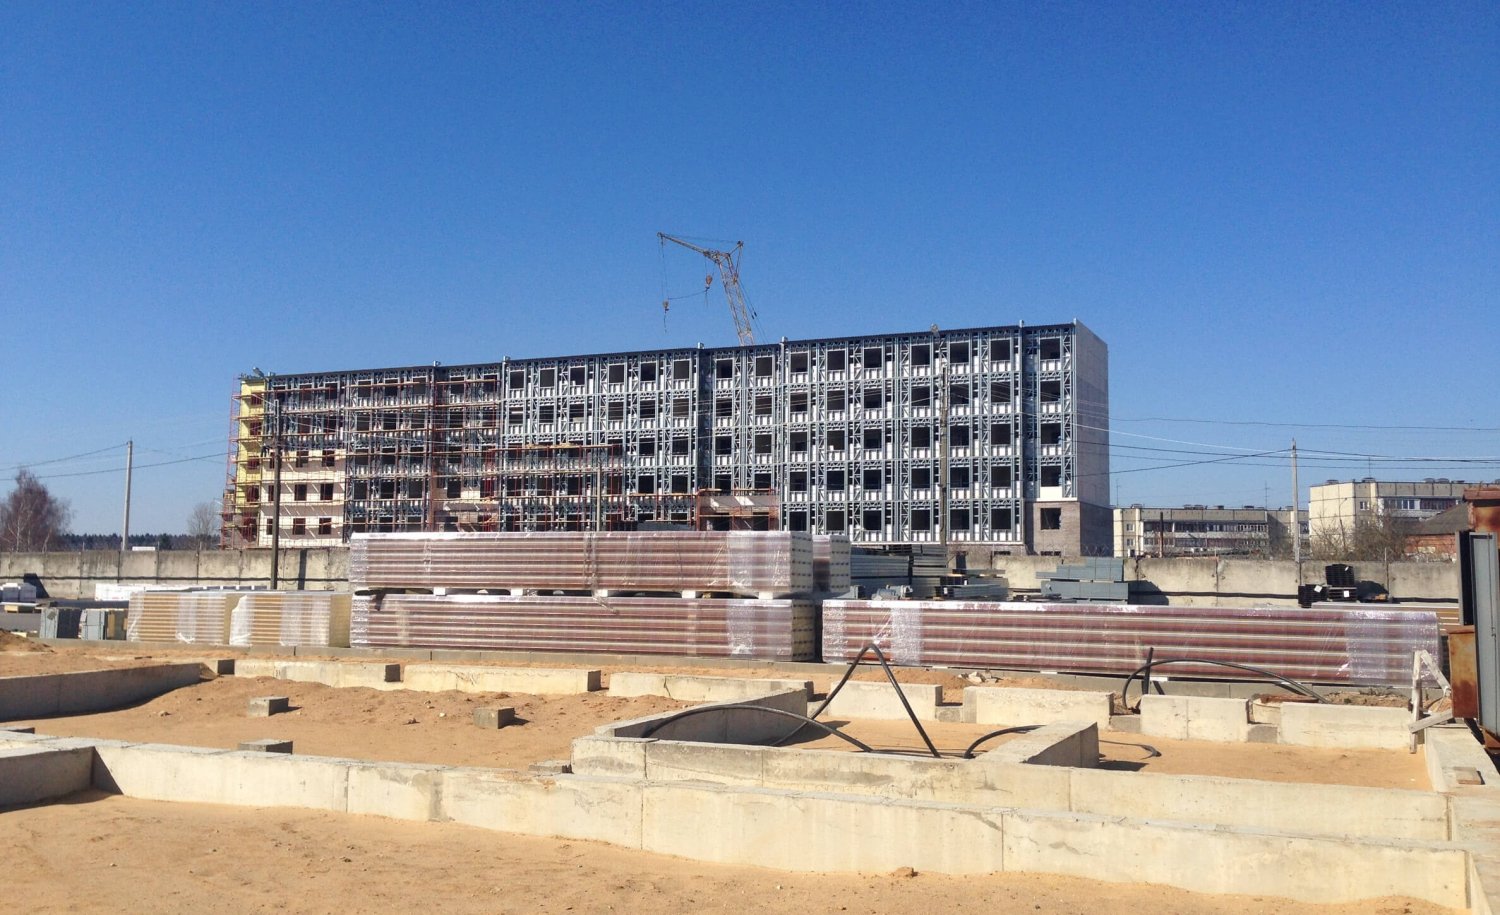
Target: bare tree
x,y
203,525
31,519
1377,538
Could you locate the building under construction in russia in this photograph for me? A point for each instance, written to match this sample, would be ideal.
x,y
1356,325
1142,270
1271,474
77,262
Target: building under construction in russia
x,y
982,439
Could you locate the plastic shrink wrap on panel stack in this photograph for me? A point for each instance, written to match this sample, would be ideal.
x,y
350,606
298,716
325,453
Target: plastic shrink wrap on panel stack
x,y
194,617
751,563
671,593
706,628
291,618
1353,645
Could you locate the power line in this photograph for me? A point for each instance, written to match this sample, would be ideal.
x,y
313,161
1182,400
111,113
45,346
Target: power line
x,y
1279,425
90,473
71,457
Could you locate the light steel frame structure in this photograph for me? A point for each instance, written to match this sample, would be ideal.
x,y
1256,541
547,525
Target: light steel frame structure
x,y
855,435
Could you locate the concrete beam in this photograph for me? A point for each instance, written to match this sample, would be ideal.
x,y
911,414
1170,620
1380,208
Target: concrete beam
x,y
370,675
91,690
1345,726
1007,705
1195,718
699,689
876,699
534,681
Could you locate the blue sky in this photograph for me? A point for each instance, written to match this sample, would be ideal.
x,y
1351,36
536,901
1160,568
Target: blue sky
x,y
1279,216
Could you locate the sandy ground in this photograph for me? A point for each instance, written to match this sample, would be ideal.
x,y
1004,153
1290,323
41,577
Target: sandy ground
x,y
107,853
393,726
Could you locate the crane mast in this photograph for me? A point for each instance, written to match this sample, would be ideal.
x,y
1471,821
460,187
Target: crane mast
x,y
727,263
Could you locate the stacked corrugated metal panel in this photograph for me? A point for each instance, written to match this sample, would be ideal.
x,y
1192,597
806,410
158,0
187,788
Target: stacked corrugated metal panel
x,y
830,563
1353,645
627,592
707,628
738,562
311,618
195,617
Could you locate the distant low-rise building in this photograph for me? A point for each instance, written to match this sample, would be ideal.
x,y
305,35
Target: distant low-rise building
x,y
1202,530
1340,508
1436,538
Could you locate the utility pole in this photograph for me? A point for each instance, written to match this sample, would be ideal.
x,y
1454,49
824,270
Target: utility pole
x,y
1296,517
125,526
276,493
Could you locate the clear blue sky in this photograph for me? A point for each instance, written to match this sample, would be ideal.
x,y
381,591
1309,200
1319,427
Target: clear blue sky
x,y
1272,213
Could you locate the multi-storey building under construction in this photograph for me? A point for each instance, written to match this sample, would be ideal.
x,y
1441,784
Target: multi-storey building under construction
x,y
990,438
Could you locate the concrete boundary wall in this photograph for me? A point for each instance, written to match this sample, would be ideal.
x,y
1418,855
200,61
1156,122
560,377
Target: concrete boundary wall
x,y
699,689
44,695
74,574
797,830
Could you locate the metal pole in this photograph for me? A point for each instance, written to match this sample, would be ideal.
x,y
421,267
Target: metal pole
x,y
943,458
1296,517
125,525
276,494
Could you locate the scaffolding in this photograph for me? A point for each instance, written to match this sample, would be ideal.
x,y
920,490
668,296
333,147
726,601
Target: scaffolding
x,y
990,436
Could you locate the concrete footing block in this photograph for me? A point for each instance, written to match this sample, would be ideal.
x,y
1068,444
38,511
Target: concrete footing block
x,y
267,745
266,706
550,767
492,719
1125,724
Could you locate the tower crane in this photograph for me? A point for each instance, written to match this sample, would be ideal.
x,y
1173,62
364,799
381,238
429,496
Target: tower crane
x,y
729,277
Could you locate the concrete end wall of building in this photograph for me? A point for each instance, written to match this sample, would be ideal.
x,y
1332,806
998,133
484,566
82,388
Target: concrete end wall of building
x,y
30,775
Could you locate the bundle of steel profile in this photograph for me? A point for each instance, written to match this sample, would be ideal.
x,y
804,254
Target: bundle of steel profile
x,y
696,627
758,563
194,617
830,563
1352,645
291,618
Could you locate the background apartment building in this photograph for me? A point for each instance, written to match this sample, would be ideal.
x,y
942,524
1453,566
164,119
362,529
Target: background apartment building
x,y
1340,507
990,436
1195,530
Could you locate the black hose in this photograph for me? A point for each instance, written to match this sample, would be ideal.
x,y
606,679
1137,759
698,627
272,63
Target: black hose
x,y
1019,729
805,721
1289,683
1151,751
891,676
